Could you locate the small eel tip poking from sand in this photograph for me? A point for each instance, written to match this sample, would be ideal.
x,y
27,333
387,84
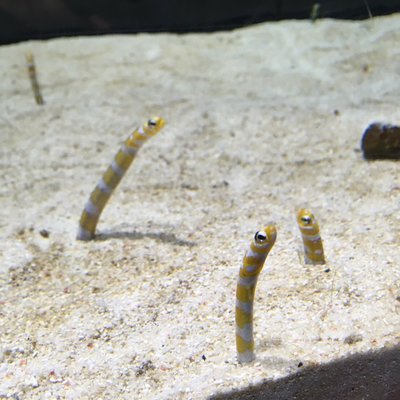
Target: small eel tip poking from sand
x,y
309,229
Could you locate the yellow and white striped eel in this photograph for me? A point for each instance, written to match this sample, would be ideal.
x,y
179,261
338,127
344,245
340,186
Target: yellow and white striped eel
x,y
253,263
111,178
313,248
30,64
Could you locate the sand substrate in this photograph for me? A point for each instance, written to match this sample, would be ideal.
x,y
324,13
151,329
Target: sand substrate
x,y
260,121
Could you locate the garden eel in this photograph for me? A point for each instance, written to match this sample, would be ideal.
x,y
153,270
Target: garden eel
x,y
111,178
253,263
30,64
313,249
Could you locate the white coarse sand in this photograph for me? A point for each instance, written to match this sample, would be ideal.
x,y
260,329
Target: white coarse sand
x,y
261,121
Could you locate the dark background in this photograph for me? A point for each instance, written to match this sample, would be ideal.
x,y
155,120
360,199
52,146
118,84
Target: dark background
x,y
40,19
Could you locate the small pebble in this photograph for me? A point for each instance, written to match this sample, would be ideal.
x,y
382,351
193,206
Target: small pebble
x,y
381,141
32,382
44,233
353,338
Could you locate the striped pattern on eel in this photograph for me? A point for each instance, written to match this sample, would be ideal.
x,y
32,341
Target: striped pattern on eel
x,y
30,64
253,263
111,178
309,229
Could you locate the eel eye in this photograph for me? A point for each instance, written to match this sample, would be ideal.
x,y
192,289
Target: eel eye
x,y
260,237
306,219
152,122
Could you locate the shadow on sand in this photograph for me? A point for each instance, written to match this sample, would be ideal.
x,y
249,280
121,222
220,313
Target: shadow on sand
x,y
369,376
134,235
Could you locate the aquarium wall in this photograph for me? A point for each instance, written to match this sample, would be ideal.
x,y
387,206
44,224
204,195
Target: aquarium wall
x,y
39,19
